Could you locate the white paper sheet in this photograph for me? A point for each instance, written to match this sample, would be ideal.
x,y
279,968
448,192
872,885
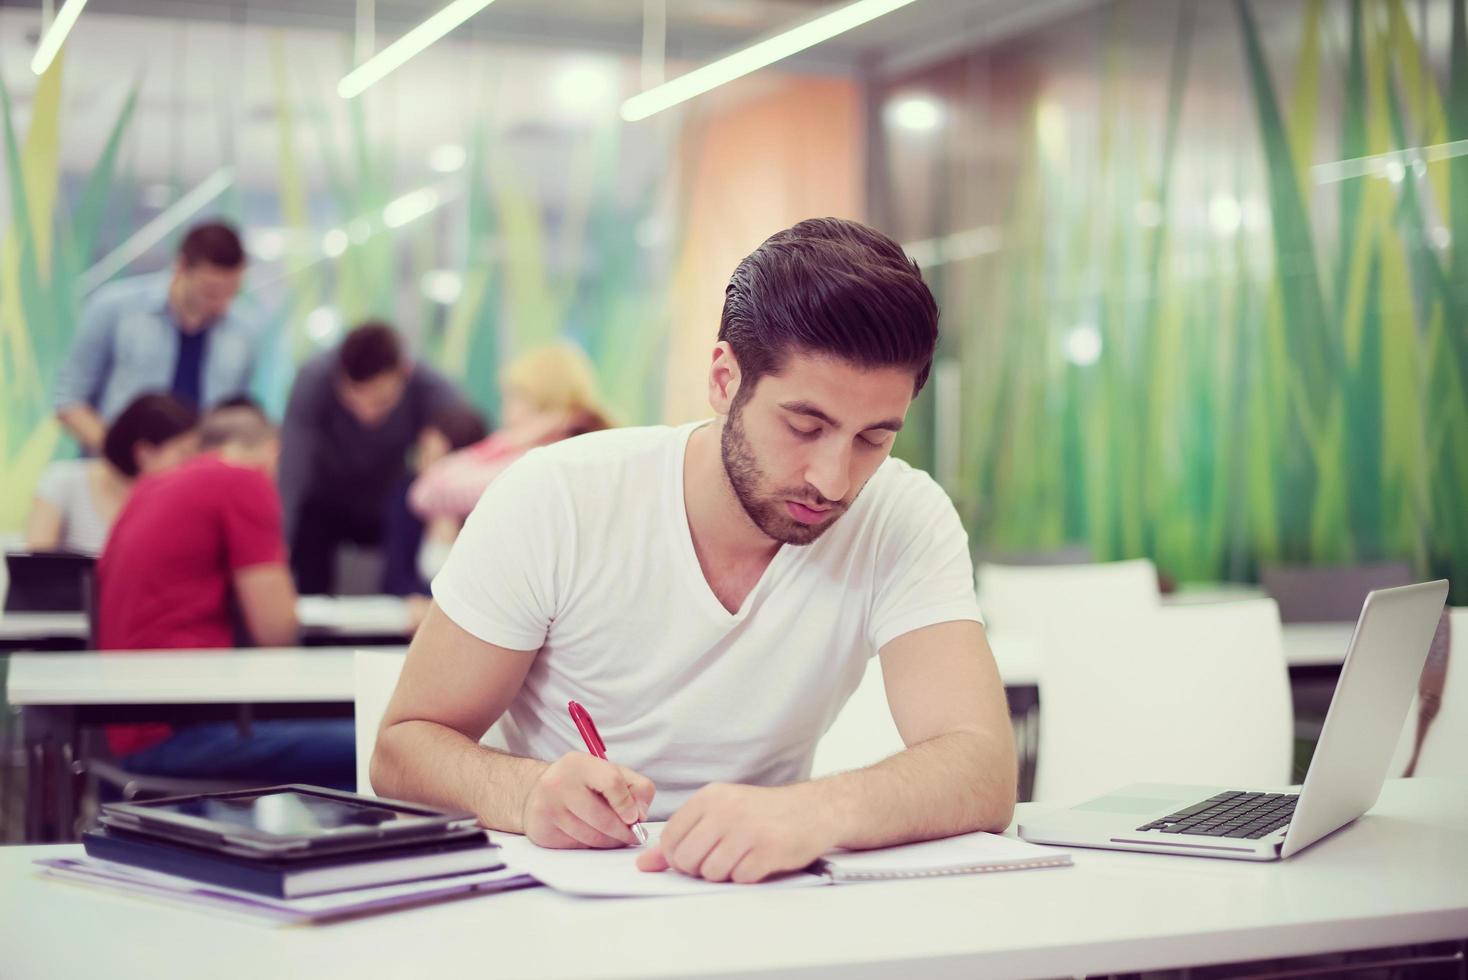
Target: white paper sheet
x,y
614,874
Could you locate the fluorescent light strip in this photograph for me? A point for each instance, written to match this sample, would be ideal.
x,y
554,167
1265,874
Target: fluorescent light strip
x,y
1330,173
756,56
154,231
60,27
396,54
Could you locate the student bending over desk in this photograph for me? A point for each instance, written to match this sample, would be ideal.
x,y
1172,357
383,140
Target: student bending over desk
x,y
712,593
188,546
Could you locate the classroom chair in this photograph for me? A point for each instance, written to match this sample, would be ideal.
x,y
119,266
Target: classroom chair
x,y
375,676
1030,599
1443,745
1328,594
1188,694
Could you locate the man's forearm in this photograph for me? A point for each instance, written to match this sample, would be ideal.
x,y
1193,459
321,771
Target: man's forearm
x,y
433,764
954,783
84,424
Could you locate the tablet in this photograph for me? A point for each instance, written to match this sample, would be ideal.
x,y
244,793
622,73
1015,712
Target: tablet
x,y
286,821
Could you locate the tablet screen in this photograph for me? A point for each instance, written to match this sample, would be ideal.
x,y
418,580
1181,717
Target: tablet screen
x,y
286,813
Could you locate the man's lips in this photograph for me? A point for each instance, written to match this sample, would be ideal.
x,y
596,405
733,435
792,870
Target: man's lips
x,y
808,515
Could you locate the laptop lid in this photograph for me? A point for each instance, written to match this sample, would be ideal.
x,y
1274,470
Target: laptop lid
x,y
1385,658
48,581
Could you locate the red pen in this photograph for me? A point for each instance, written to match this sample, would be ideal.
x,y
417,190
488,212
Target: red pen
x,y
598,748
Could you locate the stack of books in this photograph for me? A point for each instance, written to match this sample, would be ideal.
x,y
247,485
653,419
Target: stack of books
x,y
292,853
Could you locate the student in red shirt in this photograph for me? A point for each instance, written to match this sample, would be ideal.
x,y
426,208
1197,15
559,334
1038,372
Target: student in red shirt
x,y
190,548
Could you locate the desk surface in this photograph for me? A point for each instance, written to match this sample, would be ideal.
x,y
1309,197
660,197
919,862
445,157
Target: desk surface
x,y
287,674
347,615
325,673
1395,876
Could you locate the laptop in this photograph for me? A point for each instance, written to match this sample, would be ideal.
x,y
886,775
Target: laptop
x,y
48,581
1380,673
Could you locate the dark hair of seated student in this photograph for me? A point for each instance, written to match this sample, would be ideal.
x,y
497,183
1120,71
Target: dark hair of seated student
x,y
151,420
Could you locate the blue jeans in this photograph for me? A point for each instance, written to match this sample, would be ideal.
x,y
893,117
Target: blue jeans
x,y
321,752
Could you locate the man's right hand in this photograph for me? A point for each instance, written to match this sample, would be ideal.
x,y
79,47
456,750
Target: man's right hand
x,y
583,801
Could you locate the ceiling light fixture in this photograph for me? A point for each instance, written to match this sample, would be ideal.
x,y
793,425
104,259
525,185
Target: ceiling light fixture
x,y
756,56
413,43
50,45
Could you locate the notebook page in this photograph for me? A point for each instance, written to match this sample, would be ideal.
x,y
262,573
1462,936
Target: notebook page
x,y
963,854
614,873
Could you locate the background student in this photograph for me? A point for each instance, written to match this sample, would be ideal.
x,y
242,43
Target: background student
x,y
77,500
189,548
179,332
549,394
354,413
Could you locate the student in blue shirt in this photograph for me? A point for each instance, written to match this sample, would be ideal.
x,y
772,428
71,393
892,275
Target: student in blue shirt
x,y
176,332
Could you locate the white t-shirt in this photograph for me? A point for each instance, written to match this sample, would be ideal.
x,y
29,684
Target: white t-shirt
x,y
581,550
67,485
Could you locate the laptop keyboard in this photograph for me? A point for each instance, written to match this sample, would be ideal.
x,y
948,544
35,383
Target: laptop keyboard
x,y
1246,815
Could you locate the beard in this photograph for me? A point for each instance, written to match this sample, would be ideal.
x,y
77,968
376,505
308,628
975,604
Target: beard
x,y
767,510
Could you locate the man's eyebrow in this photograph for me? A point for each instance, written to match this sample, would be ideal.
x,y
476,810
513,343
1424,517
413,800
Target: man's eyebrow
x,y
806,408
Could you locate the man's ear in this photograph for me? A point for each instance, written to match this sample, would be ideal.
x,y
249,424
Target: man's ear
x,y
724,378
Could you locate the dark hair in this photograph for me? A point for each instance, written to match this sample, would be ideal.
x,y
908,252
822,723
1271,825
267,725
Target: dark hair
x,y
370,349
153,418
460,423
829,286
215,243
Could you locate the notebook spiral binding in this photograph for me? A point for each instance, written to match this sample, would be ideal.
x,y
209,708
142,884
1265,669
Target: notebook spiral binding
x,y
1058,862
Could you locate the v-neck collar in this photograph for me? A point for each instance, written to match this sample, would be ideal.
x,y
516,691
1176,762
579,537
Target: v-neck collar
x,y
682,538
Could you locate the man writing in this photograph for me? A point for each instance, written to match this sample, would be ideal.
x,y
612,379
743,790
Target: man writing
x,y
178,333
712,592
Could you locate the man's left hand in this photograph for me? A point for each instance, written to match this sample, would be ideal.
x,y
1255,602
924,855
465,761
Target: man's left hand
x,y
744,833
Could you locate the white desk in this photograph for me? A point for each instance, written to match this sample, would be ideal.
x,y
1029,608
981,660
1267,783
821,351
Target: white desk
x,y
1306,645
58,692
356,618
1394,877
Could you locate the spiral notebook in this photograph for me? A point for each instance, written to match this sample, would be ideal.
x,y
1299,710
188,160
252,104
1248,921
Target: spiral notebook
x,y
614,873
962,855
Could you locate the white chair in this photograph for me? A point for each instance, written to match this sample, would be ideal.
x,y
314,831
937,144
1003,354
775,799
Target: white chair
x,y
376,675
863,733
1443,749
1189,694
1030,598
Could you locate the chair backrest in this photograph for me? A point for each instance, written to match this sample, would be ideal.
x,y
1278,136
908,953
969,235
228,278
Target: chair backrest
x,y
1071,554
1445,747
863,733
1189,694
375,674
1029,598
375,677
1328,594
48,581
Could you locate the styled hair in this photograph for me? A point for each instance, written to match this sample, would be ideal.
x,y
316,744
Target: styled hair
x,y
834,287
558,377
239,421
215,243
370,349
461,424
153,418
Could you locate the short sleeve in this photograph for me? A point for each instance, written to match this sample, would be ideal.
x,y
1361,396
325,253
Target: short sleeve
x,y
250,517
924,573
56,484
500,582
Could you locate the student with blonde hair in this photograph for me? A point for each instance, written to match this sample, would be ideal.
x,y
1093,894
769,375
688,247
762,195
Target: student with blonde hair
x,y
549,394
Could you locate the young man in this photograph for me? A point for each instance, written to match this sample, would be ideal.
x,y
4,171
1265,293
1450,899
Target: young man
x,y
178,333
352,417
190,548
712,594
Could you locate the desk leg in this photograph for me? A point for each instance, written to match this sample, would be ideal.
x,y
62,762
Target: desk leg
x,y
50,739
